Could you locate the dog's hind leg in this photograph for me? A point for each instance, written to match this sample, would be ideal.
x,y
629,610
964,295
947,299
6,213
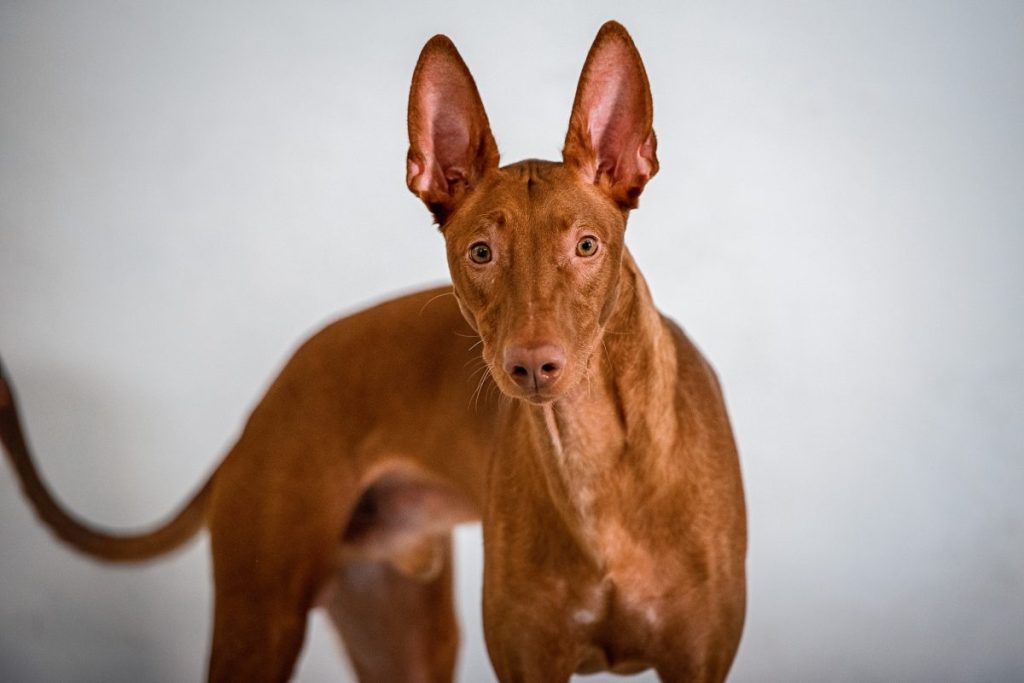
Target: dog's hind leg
x,y
397,620
274,527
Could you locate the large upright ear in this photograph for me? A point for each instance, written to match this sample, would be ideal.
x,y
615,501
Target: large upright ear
x,y
450,141
611,136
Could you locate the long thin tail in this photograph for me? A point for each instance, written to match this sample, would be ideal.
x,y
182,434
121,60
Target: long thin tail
x,y
98,544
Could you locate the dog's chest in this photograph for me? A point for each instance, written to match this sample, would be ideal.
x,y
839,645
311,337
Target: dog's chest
x,y
629,587
602,490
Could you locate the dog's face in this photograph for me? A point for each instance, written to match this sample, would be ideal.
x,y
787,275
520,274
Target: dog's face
x,y
535,255
535,248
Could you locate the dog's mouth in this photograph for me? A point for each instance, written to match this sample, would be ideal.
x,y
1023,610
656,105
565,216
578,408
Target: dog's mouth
x,y
539,396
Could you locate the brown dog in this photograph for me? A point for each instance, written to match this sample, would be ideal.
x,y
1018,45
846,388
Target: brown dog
x,y
608,484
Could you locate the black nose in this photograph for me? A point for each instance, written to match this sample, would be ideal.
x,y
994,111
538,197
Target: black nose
x,y
534,367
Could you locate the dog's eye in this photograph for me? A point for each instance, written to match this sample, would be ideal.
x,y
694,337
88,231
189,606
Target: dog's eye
x,y
479,252
587,246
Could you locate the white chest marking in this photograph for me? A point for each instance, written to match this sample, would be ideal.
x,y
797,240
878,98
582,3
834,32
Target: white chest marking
x,y
584,617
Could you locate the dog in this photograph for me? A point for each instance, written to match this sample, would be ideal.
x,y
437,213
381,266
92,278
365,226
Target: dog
x,y
604,469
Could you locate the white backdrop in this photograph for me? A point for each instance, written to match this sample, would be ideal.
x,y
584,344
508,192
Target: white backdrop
x,y
188,191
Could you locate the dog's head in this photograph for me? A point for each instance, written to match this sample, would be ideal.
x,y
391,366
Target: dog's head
x,y
535,248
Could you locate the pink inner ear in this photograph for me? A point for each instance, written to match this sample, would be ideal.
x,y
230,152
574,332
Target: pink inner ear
x,y
614,104
449,130
603,103
450,143
446,106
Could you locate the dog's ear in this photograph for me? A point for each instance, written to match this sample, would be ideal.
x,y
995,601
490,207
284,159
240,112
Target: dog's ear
x,y
611,139
450,141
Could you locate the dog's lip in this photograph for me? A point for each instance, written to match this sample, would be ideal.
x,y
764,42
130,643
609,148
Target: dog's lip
x,y
540,398
544,395
535,396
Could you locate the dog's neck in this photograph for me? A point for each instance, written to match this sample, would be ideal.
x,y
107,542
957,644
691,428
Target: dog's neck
x,y
613,435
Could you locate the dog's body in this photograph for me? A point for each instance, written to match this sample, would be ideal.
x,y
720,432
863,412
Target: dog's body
x,y
608,484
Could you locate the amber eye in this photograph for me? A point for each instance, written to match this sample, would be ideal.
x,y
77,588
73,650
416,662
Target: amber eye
x,y
587,246
479,252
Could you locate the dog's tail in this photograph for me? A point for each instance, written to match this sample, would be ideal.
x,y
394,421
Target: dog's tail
x,y
98,544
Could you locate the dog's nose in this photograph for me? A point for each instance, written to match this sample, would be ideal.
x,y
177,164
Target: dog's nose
x,y
534,367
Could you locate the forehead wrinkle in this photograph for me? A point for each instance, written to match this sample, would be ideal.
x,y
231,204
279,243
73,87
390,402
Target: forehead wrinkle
x,y
550,213
536,214
497,218
537,179
548,210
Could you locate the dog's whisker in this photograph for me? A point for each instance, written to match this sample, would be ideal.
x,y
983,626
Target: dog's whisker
x,y
608,355
482,368
475,398
435,298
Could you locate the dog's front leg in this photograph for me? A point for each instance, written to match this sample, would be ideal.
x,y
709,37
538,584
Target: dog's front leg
x,y
524,651
529,626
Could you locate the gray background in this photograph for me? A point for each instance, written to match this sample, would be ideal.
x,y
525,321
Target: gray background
x,y
188,191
